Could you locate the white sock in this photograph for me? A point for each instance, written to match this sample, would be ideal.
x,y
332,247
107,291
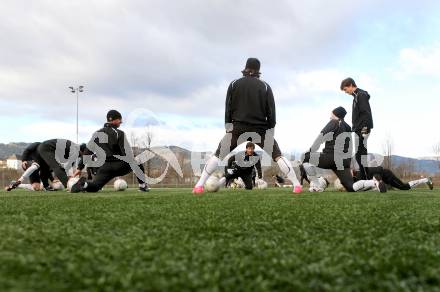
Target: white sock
x,y
417,182
364,185
312,174
142,185
29,171
287,168
222,181
210,167
26,187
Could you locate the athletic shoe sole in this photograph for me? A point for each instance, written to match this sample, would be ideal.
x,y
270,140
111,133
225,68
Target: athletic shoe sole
x,y
430,184
12,185
380,184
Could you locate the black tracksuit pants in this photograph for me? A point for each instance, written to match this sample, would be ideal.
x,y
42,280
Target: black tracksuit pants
x,y
361,151
107,172
231,141
91,171
388,177
46,160
42,175
327,161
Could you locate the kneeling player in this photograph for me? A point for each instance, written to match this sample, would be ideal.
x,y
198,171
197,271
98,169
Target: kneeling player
x,y
336,147
113,166
47,158
242,165
391,179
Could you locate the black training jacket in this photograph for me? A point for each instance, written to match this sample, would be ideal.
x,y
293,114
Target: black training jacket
x,y
114,145
361,116
247,164
51,145
249,101
30,153
334,128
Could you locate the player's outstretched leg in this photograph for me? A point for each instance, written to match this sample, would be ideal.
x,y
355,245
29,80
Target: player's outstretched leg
x,y
14,184
426,180
209,169
287,168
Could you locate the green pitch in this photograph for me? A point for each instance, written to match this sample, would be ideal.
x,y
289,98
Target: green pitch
x,y
253,241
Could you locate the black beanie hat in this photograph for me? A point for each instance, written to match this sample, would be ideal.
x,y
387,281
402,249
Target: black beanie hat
x,y
340,112
253,64
113,115
82,147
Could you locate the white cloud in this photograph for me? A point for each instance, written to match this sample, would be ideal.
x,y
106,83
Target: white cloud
x,y
422,61
176,58
161,54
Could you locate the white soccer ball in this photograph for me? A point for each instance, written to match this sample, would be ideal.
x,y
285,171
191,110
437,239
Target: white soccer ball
x,y
240,183
261,184
57,186
120,184
338,185
318,186
71,182
212,184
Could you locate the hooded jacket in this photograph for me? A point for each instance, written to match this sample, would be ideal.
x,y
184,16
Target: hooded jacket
x,y
361,116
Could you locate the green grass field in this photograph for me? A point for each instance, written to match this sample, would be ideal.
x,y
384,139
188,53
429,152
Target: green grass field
x,y
226,241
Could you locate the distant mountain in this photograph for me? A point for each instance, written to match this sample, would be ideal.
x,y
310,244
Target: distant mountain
x,y
6,150
429,166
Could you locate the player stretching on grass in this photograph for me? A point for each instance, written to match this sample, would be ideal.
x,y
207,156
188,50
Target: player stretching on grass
x,y
37,178
336,156
249,115
114,144
242,165
49,156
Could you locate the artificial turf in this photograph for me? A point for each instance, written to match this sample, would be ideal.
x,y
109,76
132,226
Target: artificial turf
x,y
257,240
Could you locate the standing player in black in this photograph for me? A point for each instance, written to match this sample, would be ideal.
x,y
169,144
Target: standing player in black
x,y
242,165
336,155
51,155
114,145
249,112
362,120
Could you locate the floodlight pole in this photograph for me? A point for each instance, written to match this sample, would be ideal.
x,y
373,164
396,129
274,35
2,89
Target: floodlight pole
x,y
77,90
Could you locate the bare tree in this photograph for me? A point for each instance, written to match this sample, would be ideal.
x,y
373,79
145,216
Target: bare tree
x,y
147,140
388,147
405,170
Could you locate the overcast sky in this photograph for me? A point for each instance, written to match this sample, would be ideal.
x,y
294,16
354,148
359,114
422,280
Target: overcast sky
x,y
167,64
